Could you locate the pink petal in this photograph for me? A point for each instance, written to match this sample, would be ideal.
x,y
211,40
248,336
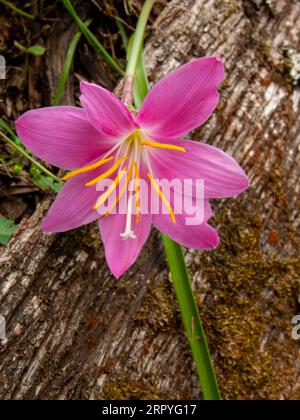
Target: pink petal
x,y
197,237
73,206
121,254
183,100
105,111
222,175
61,136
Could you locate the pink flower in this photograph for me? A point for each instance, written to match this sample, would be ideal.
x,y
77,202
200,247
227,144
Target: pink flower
x,y
105,140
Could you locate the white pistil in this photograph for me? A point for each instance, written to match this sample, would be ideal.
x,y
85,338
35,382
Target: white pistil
x,y
129,233
128,229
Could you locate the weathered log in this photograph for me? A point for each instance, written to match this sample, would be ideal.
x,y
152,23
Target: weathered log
x,y
74,332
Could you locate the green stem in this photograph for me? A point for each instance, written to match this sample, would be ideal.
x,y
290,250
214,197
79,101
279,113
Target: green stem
x,y
17,10
138,38
92,40
67,66
192,320
30,158
136,48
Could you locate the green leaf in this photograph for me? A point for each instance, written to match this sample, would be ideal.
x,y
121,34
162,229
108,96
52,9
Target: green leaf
x,y
56,186
67,66
36,50
7,228
47,183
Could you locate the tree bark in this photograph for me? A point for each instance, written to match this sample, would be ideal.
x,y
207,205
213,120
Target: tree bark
x,y
74,332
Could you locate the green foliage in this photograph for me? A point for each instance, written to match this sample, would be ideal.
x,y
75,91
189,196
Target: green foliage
x,y
7,228
36,50
47,183
39,174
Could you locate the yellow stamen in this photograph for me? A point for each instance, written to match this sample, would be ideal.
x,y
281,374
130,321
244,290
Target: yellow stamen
x,y
122,190
111,188
162,145
107,173
137,193
162,197
87,168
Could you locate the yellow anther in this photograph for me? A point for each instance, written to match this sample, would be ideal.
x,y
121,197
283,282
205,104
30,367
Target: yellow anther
x,y
162,197
87,168
122,190
162,145
107,173
111,188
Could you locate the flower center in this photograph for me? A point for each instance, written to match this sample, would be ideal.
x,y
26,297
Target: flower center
x,y
133,151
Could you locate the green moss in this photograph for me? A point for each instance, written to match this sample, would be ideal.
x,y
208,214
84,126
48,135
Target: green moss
x,y
159,308
252,298
124,388
89,235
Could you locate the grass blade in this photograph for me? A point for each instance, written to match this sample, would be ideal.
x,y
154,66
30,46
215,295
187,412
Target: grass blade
x,y
92,40
17,10
67,66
